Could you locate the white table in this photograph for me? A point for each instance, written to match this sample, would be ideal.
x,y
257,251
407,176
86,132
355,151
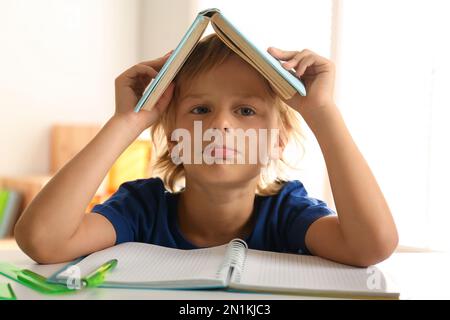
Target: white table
x,y
419,275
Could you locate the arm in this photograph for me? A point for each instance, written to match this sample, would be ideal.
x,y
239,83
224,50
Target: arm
x,y
54,227
364,225
364,232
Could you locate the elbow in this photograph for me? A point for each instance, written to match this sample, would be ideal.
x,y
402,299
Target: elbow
x,y
21,235
380,249
33,244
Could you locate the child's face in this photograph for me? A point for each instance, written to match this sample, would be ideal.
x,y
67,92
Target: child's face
x,y
230,96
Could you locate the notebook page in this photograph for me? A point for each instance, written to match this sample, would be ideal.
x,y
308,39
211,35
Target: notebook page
x,y
144,263
295,271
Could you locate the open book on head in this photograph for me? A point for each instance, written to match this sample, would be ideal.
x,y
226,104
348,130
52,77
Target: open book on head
x,y
285,83
232,266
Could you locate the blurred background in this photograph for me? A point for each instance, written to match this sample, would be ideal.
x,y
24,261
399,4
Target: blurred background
x,y
59,59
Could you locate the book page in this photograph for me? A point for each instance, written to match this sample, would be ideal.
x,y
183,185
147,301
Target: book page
x,y
302,272
145,263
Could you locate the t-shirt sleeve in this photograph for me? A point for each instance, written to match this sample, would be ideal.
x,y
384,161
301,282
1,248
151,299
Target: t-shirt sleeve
x,y
302,211
130,207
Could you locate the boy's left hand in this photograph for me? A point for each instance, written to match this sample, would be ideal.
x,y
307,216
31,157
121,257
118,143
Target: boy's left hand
x,y
318,75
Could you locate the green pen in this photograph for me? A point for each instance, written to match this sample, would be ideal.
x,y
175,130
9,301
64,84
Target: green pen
x,y
7,292
37,282
98,276
31,279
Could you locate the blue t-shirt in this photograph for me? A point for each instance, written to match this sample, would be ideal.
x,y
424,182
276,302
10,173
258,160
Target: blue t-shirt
x,y
144,211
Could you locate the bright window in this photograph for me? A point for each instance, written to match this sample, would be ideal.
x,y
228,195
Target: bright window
x,y
392,85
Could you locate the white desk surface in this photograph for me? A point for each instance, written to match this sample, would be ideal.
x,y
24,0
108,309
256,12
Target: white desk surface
x,y
419,275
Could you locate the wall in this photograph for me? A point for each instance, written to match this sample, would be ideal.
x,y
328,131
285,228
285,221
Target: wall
x,y
58,62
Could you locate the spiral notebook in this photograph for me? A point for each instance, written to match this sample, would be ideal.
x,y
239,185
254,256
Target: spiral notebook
x,y
233,267
284,81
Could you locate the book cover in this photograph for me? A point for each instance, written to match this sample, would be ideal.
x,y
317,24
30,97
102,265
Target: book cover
x,y
249,52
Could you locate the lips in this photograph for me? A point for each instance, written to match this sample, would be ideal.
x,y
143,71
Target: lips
x,y
221,152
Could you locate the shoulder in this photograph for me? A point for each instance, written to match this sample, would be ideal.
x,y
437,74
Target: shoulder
x,y
133,208
290,212
139,195
293,201
155,184
294,191
140,187
293,188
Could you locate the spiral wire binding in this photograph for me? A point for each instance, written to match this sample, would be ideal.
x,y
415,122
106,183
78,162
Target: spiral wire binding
x,y
234,260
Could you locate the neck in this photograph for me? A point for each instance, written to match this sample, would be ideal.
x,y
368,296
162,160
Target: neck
x,y
210,216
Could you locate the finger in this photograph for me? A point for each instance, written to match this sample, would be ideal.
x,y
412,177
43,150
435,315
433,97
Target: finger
x,y
304,63
293,62
281,54
157,63
165,99
138,70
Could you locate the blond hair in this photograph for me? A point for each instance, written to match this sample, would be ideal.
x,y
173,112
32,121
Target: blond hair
x,y
208,53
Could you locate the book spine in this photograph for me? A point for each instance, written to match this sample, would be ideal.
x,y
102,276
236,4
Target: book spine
x,y
234,260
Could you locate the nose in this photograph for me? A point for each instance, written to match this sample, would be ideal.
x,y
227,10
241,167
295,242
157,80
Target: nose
x,y
222,129
221,121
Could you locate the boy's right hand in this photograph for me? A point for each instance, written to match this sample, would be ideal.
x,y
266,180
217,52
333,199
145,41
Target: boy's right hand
x,y
129,87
